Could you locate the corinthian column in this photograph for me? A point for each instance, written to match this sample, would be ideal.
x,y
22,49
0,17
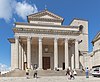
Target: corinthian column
x,y
20,56
16,47
40,53
29,52
55,53
76,55
66,54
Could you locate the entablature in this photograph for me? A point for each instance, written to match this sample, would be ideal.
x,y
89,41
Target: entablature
x,y
46,31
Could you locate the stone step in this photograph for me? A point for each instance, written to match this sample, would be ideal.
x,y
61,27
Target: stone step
x,y
22,73
14,73
51,73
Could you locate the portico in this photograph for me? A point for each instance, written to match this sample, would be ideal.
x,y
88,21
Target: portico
x,y
42,44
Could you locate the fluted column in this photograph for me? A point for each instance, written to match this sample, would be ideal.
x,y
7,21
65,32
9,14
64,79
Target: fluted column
x,y
40,53
66,54
72,61
76,55
20,56
55,53
29,52
17,50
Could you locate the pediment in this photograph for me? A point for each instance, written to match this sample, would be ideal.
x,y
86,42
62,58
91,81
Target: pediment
x,y
46,15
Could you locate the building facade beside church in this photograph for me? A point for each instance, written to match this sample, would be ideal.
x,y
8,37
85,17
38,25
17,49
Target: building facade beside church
x,y
94,56
45,42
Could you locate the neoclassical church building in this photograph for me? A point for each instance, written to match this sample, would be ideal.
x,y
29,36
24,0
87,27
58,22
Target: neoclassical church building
x,y
48,44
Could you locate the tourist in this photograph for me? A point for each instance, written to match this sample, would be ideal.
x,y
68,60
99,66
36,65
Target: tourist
x,y
71,75
87,72
68,71
74,72
27,73
35,73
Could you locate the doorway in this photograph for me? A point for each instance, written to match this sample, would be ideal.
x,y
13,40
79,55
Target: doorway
x,y
46,63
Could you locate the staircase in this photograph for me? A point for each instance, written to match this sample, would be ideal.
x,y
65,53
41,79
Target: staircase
x,y
51,73
21,73
14,73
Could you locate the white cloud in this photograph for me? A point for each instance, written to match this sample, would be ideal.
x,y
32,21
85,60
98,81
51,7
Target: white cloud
x,y
5,9
10,7
4,67
24,9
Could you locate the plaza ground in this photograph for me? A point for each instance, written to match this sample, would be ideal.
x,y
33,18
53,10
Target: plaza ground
x,y
50,79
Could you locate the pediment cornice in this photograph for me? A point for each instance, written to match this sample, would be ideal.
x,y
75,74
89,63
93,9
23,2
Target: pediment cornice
x,y
43,13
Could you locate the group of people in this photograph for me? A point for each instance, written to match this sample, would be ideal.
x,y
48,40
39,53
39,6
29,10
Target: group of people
x,y
28,73
71,73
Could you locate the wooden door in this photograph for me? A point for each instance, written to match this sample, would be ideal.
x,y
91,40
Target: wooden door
x,y
46,63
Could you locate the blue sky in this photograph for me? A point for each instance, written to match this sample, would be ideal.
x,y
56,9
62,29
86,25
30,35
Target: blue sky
x,y
16,11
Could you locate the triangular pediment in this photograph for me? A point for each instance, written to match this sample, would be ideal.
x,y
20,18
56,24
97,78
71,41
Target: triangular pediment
x,y
48,16
45,14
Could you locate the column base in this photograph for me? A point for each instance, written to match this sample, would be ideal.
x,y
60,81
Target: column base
x,y
39,69
16,69
65,68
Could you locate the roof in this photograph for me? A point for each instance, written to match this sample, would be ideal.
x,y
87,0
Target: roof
x,y
45,12
77,19
97,37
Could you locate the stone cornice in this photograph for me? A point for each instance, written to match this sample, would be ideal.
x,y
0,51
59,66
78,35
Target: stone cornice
x,y
78,19
45,19
45,25
96,38
11,40
45,31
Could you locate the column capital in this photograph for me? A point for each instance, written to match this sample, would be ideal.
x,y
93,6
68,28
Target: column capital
x,y
16,37
56,38
76,40
29,37
66,39
40,39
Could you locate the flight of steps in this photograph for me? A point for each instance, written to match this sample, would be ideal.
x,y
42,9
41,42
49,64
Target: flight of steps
x,y
51,73
21,73
14,73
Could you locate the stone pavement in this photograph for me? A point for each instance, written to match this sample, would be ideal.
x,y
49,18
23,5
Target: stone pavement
x,y
50,79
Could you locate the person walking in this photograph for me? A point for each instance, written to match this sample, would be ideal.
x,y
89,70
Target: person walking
x,y
35,73
68,71
87,72
27,73
74,72
71,75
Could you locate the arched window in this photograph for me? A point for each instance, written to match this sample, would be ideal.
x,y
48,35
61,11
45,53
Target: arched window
x,y
81,28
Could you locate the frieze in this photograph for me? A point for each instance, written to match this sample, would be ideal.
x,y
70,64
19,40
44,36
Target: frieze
x,y
45,31
45,19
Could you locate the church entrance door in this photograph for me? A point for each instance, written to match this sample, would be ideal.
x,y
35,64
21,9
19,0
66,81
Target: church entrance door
x,y
46,63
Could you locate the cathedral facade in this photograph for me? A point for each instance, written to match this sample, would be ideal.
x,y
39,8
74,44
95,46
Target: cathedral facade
x,y
48,44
